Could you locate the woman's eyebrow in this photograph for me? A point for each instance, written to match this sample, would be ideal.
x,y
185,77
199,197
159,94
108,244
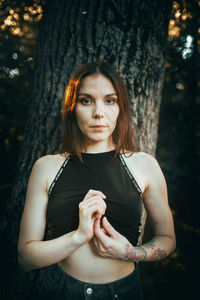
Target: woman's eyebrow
x,y
84,94
88,95
113,94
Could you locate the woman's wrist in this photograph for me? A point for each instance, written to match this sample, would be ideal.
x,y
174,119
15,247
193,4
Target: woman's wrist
x,y
78,238
135,254
150,251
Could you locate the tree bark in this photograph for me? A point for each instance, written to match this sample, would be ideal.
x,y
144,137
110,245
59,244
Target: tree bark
x,y
130,34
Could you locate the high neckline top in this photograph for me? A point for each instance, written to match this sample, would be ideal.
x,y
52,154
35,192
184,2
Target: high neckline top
x,y
103,172
98,154
101,157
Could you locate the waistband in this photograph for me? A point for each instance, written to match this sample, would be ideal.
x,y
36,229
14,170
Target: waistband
x,y
130,277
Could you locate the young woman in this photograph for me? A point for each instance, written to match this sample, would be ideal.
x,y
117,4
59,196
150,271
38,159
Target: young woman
x,y
82,215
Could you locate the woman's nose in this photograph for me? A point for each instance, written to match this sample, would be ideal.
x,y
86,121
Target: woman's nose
x,y
98,111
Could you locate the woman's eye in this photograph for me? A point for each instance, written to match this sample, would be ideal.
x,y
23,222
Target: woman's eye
x,y
85,101
111,101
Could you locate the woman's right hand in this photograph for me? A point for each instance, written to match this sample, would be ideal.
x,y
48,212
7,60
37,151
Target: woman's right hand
x,y
92,207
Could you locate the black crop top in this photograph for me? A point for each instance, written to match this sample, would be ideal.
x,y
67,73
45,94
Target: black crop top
x,y
100,172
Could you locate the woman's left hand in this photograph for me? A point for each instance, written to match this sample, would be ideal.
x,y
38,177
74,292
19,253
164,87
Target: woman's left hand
x,y
109,243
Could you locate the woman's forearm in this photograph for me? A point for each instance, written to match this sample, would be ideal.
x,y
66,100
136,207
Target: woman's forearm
x,y
39,254
156,249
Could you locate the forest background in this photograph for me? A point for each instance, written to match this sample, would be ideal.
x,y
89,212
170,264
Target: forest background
x,y
178,137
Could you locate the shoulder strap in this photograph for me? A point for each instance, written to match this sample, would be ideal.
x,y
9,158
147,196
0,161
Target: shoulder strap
x,y
58,174
130,175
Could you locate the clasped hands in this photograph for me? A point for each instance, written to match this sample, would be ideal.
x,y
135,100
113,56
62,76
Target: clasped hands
x,y
108,242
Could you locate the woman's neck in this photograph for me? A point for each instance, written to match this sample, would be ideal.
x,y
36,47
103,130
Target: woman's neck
x,y
98,148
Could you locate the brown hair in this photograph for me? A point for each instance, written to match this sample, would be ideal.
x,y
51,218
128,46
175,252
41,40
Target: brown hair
x,y
123,135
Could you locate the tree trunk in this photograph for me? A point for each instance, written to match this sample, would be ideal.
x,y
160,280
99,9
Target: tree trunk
x,y
131,34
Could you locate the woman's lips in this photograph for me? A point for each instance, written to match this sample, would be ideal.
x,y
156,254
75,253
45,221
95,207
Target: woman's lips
x,y
98,127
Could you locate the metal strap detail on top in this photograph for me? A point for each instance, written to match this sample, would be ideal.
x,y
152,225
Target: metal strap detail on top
x,y
58,174
130,175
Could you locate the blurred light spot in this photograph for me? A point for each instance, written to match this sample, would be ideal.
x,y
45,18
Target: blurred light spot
x,y
15,56
180,86
174,254
12,130
174,31
8,21
16,31
3,26
84,12
177,14
188,47
39,9
176,5
13,72
16,16
167,64
38,18
26,17
184,17
7,143
33,12
7,70
20,137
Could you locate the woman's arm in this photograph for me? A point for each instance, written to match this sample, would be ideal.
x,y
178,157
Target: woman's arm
x,y
34,253
155,199
156,203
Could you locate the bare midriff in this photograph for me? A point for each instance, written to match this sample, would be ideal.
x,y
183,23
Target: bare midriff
x,y
85,264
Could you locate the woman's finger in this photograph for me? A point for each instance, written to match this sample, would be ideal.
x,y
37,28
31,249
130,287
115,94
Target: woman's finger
x,y
91,205
99,233
90,202
94,199
95,241
108,227
93,193
92,209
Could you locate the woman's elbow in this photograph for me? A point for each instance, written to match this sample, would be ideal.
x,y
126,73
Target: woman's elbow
x,y
23,262
172,244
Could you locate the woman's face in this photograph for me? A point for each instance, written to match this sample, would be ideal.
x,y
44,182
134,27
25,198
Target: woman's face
x,y
97,109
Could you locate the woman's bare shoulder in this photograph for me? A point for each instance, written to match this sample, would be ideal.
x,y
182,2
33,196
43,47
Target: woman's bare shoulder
x,y
144,161
50,161
140,156
143,166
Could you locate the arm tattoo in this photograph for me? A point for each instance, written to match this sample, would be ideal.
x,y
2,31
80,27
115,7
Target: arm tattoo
x,y
158,254
137,254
